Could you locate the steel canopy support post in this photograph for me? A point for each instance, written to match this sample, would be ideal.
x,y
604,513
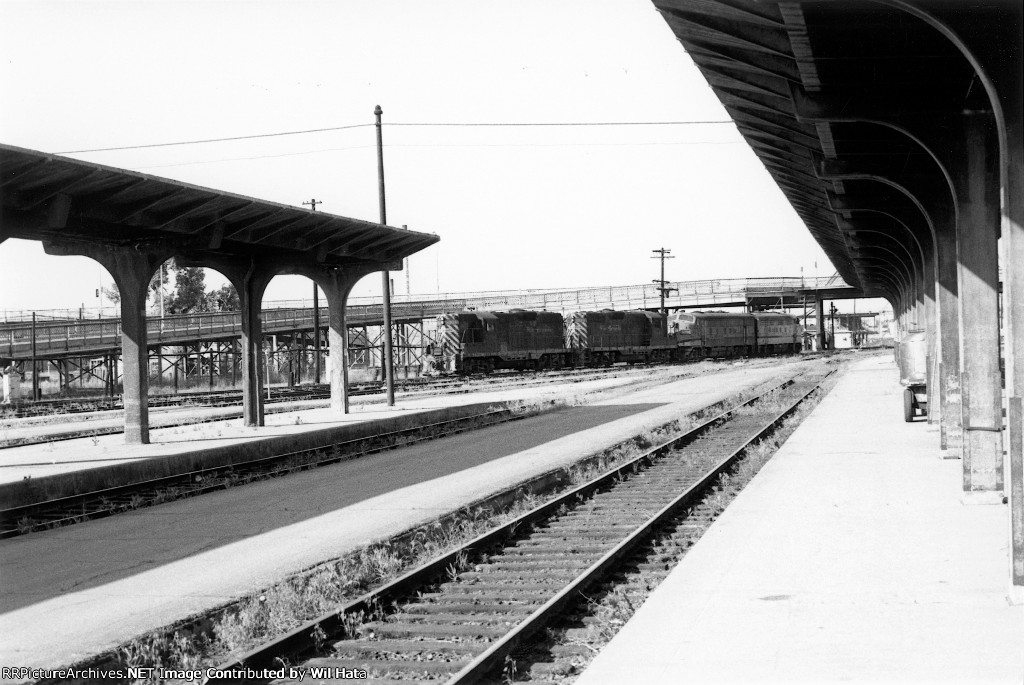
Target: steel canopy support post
x,y
389,375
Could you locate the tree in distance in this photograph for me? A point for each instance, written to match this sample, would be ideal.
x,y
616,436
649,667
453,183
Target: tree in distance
x,y
184,292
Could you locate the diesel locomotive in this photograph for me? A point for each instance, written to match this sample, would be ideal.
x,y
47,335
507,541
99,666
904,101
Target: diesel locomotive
x,y
722,334
481,342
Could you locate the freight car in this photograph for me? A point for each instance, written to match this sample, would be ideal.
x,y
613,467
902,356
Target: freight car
x,y
480,342
608,336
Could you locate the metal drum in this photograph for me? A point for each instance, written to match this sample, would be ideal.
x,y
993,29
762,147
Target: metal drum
x,y
912,359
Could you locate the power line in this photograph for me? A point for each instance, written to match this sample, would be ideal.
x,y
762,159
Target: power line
x,y
214,140
432,124
440,145
570,123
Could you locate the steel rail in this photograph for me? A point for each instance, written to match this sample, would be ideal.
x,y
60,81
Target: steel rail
x,y
444,386
300,638
486,662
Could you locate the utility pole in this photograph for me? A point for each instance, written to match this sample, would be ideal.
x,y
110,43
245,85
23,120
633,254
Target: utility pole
x,y
663,254
35,364
316,313
389,376
832,324
408,288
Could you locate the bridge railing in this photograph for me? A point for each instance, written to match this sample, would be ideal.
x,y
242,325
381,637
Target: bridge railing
x,y
89,335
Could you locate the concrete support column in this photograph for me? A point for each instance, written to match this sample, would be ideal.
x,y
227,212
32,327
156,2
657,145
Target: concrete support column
x,y
251,286
947,297
337,284
337,302
977,182
927,281
1013,303
132,276
131,268
250,280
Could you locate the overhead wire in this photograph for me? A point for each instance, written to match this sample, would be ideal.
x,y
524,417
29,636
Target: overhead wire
x,y
439,145
214,140
434,124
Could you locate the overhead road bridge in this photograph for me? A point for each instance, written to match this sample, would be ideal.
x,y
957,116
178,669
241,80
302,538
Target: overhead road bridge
x,y
894,128
57,336
131,223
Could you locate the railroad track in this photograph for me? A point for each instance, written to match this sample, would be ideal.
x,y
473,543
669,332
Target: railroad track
x,y
215,398
225,398
73,509
460,617
438,387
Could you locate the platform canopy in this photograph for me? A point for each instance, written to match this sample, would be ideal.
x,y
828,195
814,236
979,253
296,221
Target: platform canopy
x,y
52,198
789,73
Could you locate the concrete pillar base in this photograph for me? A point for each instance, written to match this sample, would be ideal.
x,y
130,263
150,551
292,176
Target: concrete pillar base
x,y
983,452
982,497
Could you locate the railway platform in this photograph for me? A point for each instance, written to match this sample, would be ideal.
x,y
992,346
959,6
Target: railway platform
x,y
73,592
190,437
852,556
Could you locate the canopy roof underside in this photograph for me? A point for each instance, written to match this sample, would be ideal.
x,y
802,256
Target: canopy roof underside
x,y
58,199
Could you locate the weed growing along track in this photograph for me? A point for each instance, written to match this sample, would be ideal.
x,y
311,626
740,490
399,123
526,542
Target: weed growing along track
x,y
277,609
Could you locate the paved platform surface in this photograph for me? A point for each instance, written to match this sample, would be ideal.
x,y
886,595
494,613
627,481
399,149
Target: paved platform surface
x,y
71,592
850,557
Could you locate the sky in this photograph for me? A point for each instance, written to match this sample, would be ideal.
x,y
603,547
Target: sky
x,y
516,207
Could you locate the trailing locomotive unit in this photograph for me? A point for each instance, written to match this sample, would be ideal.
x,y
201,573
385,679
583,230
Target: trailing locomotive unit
x,y
778,333
713,334
480,342
723,334
608,336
